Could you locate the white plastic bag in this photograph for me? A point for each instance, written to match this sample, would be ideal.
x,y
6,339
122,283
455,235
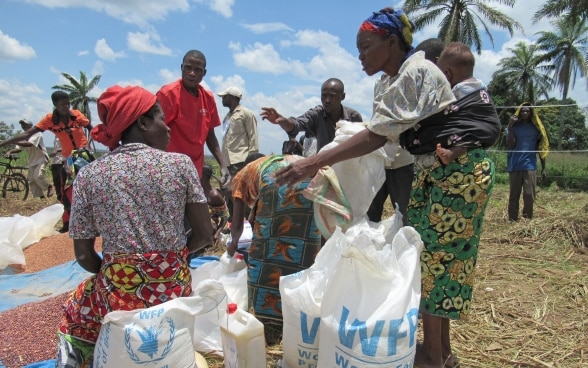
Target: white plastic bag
x,y
302,293
231,273
207,336
369,310
158,336
362,177
309,146
18,232
310,296
246,236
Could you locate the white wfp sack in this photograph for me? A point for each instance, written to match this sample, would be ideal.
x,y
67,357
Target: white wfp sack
x,y
302,292
18,232
160,336
369,309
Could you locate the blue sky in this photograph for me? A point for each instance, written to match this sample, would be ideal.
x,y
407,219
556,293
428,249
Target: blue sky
x,y
278,52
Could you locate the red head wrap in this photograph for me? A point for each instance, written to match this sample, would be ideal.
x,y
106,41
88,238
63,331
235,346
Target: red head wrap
x,y
118,108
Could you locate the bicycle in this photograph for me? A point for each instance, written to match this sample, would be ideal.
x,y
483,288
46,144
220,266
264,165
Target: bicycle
x,y
15,185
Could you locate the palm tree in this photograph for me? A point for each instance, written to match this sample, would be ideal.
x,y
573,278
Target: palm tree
x,y
565,51
522,73
555,8
460,19
78,92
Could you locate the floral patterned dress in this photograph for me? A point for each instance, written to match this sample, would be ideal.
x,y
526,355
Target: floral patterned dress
x,y
134,198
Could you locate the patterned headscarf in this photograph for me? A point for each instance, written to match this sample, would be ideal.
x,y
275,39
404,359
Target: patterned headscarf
x,y
118,108
388,22
543,146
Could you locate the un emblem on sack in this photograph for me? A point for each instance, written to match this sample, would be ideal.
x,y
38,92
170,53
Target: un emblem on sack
x,y
149,338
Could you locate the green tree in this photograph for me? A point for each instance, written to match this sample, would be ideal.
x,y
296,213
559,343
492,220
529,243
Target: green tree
x,y
555,9
565,52
575,131
461,19
78,92
6,131
522,74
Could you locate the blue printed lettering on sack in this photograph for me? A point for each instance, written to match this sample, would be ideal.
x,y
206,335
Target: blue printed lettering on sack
x,y
397,330
307,358
308,337
148,314
101,349
308,355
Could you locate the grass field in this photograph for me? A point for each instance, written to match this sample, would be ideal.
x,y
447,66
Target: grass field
x,y
530,306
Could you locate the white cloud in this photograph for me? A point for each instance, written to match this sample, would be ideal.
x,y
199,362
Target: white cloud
x,y
20,100
222,83
223,7
139,12
84,53
103,51
169,76
11,49
260,28
318,67
146,43
259,58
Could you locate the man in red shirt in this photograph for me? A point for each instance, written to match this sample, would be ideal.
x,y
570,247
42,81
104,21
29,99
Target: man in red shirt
x,y
68,125
191,113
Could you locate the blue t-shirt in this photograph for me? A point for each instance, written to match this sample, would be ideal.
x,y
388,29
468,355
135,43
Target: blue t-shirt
x,y
523,156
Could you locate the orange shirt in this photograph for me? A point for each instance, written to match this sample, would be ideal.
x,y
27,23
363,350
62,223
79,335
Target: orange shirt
x,y
75,138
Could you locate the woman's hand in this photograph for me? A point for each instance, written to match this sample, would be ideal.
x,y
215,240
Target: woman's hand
x,y
295,172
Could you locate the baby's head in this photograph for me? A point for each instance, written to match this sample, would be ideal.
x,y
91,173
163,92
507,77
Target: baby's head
x,y
457,62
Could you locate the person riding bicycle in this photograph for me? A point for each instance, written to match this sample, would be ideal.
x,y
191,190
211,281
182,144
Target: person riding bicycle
x,y
68,125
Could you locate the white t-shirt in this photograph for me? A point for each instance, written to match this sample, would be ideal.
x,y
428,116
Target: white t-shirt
x,y
37,153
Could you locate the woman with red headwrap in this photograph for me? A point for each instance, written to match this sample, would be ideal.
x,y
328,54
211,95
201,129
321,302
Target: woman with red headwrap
x,y
134,198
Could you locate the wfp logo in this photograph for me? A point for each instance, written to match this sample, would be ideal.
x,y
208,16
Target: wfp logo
x,y
148,350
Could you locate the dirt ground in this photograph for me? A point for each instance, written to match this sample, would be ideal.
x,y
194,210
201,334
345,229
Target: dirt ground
x,y
530,302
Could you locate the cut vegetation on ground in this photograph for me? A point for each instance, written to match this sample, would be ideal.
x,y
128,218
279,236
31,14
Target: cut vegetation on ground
x,y
530,306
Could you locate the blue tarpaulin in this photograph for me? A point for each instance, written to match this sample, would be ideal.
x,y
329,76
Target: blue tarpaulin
x,y
18,289
25,288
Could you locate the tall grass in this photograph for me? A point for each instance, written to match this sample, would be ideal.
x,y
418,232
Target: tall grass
x,y
564,169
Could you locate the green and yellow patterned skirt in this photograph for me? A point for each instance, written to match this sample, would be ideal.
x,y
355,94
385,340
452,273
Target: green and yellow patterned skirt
x,y
447,209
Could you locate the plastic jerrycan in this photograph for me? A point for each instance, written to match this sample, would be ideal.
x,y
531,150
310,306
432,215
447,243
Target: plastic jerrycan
x,y
234,263
243,339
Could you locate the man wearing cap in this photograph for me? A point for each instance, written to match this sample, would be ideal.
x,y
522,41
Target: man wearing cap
x,y
239,129
37,163
191,114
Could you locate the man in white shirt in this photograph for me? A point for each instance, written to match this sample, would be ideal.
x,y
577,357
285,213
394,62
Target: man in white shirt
x,y
38,159
239,136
